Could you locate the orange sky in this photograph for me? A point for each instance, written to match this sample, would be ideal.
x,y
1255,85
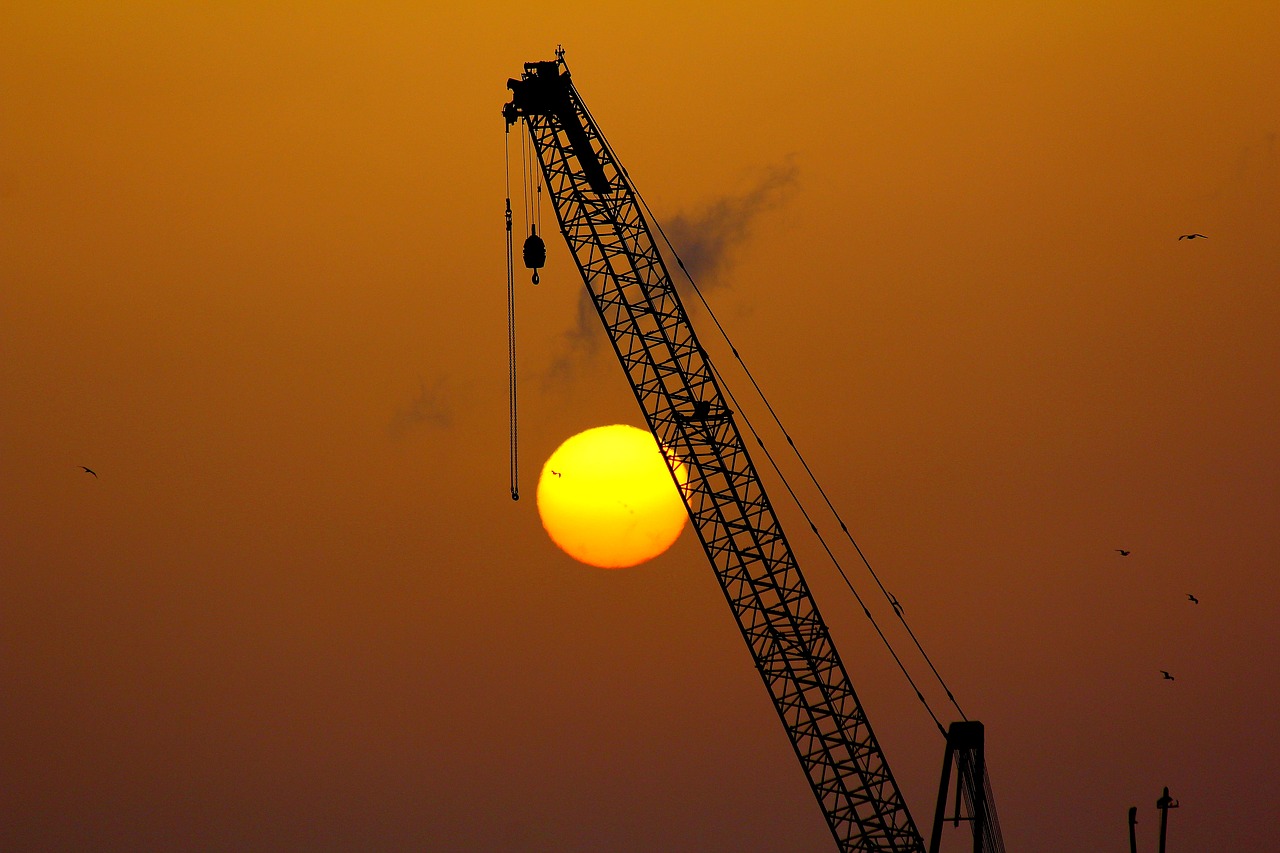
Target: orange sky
x,y
252,274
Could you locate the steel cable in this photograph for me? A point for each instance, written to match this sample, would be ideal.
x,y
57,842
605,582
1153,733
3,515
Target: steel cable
x,y
511,325
892,600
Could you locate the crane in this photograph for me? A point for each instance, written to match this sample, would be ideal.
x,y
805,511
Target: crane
x,y
601,217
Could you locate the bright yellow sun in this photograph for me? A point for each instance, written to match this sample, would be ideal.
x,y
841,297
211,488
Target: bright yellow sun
x,y
606,497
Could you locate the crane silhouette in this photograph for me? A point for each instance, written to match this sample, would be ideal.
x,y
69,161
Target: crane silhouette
x,y
673,380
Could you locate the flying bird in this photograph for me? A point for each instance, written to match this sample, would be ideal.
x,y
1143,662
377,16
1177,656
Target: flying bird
x,y
1192,236
557,473
88,470
1192,599
1122,552
1167,676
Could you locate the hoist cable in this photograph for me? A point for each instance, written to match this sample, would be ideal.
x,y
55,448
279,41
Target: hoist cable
x,y
831,555
897,608
889,597
524,177
895,605
537,204
892,600
511,323
531,174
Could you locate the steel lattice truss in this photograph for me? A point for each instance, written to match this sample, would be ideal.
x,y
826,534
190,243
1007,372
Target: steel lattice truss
x,y
673,381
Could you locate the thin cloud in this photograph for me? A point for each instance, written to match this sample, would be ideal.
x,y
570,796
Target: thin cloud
x,y
429,409
581,344
705,239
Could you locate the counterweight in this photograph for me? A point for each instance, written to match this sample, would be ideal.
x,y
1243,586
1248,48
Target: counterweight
x,y
601,219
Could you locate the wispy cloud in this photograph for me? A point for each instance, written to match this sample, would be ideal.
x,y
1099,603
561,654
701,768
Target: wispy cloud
x,y
705,239
430,408
582,343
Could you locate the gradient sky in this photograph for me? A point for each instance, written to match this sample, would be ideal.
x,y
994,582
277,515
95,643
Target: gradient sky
x,y
252,273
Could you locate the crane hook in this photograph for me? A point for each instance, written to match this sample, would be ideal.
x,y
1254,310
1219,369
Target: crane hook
x,y
535,252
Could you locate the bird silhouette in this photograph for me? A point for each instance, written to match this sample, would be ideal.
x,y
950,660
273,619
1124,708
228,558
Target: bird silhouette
x,y
1192,599
1122,552
89,470
1192,236
1167,676
557,473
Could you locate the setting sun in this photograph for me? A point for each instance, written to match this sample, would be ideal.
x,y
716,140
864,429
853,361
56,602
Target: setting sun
x,y
607,498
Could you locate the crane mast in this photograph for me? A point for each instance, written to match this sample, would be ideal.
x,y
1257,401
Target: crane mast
x,y
601,218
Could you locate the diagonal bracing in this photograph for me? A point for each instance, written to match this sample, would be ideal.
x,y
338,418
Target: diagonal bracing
x,y
674,383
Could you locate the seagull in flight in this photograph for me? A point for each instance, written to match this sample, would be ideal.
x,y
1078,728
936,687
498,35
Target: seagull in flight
x,y
1122,552
1192,236
88,470
1192,599
557,473
1167,676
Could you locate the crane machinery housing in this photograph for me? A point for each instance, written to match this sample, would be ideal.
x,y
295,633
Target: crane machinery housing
x,y
602,218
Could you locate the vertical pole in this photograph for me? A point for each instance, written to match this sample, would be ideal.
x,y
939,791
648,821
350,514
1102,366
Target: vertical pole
x,y
1164,804
980,801
961,763
935,840
1133,829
